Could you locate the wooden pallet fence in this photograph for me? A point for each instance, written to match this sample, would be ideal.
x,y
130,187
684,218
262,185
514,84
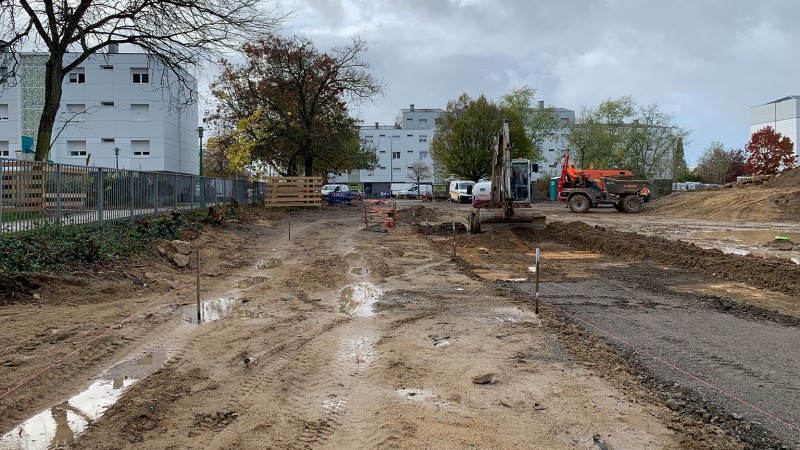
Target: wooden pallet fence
x,y
291,192
23,187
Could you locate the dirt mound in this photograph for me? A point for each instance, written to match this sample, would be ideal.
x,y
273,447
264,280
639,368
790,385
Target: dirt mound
x,y
417,214
761,204
786,179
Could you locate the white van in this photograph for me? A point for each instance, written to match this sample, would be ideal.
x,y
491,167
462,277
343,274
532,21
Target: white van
x,y
461,191
329,188
415,191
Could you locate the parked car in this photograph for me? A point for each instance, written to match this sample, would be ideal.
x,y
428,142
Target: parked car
x,y
461,191
329,188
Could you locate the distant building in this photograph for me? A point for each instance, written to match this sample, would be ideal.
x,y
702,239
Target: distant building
x,y
783,115
398,146
554,149
113,100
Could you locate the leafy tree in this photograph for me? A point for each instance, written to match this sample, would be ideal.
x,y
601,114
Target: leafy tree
x,y
541,124
419,171
462,146
769,152
738,168
717,165
178,34
619,133
286,106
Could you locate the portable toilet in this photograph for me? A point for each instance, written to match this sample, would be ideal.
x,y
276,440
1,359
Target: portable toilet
x,y
554,188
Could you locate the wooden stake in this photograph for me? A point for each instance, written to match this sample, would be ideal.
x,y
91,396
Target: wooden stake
x,y
198,286
536,309
454,240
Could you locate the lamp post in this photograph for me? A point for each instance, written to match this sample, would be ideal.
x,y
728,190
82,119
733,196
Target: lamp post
x,y
116,155
202,182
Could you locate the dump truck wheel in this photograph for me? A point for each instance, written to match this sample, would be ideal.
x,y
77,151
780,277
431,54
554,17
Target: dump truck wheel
x,y
633,204
619,207
579,203
474,223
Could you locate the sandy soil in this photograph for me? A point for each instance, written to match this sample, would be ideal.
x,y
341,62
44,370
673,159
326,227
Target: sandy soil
x,y
345,338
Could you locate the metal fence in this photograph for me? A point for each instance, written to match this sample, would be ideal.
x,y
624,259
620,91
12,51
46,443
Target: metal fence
x,y
37,193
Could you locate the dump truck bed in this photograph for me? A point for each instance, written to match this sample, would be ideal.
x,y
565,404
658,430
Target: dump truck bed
x,y
623,186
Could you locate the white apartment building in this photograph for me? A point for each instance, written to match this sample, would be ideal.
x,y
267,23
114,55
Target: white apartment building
x,y
113,100
398,147
783,115
554,148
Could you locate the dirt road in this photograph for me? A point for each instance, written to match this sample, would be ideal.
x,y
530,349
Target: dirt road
x,y
344,338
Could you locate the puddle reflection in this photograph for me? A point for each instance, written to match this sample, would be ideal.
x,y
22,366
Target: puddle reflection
x,y
212,310
58,426
359,299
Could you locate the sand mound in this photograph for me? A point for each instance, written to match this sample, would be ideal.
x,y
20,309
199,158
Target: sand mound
x,y
786,179
760,204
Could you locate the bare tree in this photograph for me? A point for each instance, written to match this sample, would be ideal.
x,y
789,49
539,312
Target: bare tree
x,y
178,34
419,171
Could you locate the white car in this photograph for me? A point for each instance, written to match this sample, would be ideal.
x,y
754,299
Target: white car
x,y
461,191
330,188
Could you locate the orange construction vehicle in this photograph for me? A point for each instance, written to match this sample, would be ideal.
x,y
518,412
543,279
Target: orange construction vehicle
x,y
585,189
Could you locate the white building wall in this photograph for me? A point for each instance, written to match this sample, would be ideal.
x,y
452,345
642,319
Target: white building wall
x,y
553,150
782,115
114,116
10,117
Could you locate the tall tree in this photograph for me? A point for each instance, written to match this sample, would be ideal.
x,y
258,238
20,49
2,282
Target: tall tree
x,y
769,152
598,134
179,34
540,124
419,171
462,146
287,105
679,166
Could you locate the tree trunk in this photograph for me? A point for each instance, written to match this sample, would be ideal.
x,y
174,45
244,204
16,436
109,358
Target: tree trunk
x,y
54,76
309,165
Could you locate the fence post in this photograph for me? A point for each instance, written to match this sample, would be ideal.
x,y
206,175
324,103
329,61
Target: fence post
x,y
58,194
191,194
132,193
1,196
175,190
155,189
100,196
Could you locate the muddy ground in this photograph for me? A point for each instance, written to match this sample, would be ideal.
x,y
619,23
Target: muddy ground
x,y
346,338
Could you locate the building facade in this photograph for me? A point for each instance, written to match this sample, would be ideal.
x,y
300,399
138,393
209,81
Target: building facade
x,y
112,101
555,147
783,115
398,147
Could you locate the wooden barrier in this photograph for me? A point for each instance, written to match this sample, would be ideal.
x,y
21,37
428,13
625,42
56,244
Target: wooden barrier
x,y
380,212
294,192
23,187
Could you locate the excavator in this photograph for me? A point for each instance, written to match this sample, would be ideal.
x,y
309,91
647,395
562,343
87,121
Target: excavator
x,y
503,209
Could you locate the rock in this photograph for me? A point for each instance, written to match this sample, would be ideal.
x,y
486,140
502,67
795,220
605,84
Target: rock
x,y
673,404
37,297
162,250
180,260
486,378
182,247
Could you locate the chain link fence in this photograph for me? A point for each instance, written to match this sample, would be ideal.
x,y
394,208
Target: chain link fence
x,y
34,193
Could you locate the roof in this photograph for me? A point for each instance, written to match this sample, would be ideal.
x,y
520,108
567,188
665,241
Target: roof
x,y
791,97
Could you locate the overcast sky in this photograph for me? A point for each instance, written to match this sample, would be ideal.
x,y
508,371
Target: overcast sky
x,y
705,62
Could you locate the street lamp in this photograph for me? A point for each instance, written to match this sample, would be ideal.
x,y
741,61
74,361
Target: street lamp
x,y
116,155
202,183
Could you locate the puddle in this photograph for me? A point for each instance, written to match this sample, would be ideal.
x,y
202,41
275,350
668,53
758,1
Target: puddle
x,y
748,237
332,405
212,310
500,318
359,299
58,426
734,251
420,395
268,263
360,271
359,353
250,282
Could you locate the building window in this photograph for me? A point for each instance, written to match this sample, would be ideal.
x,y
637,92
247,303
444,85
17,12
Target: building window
x,y
76,111
410,135
383,151
107,103
140,148
411,151
4,149
76,149
382,168
367,138
140,76
77,77
552,150
423,155
395,155
107,140
565,119
4,112
423,123
370,174
107,67
140,112
396,139
423,138
3,71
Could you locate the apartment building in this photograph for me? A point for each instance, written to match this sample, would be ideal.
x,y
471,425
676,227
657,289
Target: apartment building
x,y
555,147
112,101
783,115
398,146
